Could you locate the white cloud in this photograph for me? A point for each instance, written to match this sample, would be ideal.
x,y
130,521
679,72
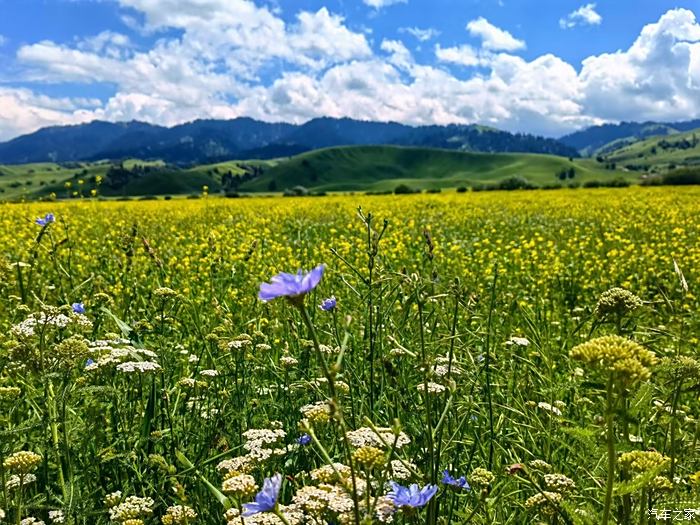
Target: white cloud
x,y
3,40
492,37
423,35
378,4
464,55
584,15
213,68
658,77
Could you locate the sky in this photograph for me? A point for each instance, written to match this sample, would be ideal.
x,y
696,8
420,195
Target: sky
x,y
547,67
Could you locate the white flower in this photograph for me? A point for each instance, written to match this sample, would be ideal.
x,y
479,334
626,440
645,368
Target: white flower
x,y
57,516
138,366
210,373
519,341
546,406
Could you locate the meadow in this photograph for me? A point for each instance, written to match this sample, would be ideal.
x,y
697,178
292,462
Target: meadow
x,y
483,358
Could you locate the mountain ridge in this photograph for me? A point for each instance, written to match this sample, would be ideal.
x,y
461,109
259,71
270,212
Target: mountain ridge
x,y
211,140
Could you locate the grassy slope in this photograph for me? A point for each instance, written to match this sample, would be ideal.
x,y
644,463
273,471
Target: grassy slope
x,y
641,152
380,168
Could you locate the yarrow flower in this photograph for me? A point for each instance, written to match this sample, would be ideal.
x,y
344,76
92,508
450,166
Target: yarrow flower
x,y
45,220
328,304
78,308
266,499
460,483
412,496
626,360
293,286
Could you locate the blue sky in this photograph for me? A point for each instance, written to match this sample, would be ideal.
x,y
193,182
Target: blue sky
x,y
541,66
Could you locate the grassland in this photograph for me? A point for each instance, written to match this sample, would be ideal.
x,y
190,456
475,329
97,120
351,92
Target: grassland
x,y
334,169
382,168
142,380
660,153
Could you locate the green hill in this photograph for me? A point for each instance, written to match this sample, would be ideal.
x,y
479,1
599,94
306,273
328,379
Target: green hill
x,y
382,168
659,153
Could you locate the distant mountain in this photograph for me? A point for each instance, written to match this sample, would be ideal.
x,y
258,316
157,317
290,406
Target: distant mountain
x,y
206,141
601,139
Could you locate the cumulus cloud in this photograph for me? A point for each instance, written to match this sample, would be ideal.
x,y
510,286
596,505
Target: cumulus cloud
x,y
492,37
584,15
464,55
316,65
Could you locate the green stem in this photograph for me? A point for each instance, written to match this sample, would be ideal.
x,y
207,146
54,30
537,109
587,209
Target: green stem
x,y
610,441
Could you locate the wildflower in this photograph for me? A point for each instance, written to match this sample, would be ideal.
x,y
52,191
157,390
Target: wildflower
x,y
385,510
2,514
412,496
459,483
617,301
78,308
518,341
237,465
480,477
402,469
22,462
545,501
293,286
433,388
113,499
133,507
179,515
319,412
209,373
15,481
382,438
328,304
242,485
369,457
559,483
331,473
142,367
266,499
45,220
288,361
640,461
626,360
304,440
57,516
31,521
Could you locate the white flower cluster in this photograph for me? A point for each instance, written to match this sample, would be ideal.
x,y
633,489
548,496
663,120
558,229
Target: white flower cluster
x,y
384,437
550,408
260,442
132,507
57,516
14,481
433,388
518,341
31,521
120,354
50,317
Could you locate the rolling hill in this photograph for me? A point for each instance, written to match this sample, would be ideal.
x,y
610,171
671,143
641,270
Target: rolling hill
x,y
382,168
608,137
208,141
659,153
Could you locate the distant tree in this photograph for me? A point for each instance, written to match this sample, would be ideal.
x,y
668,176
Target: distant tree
x,y
403,189
272,186
571,173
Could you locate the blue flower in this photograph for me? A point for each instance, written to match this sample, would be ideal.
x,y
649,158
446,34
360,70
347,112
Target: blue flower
x,y
78,308
460,483
291,285
304,439
266,499
89,362
46,220
328,304
410,496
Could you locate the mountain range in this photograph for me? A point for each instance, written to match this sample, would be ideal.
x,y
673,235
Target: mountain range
x,y
203,141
